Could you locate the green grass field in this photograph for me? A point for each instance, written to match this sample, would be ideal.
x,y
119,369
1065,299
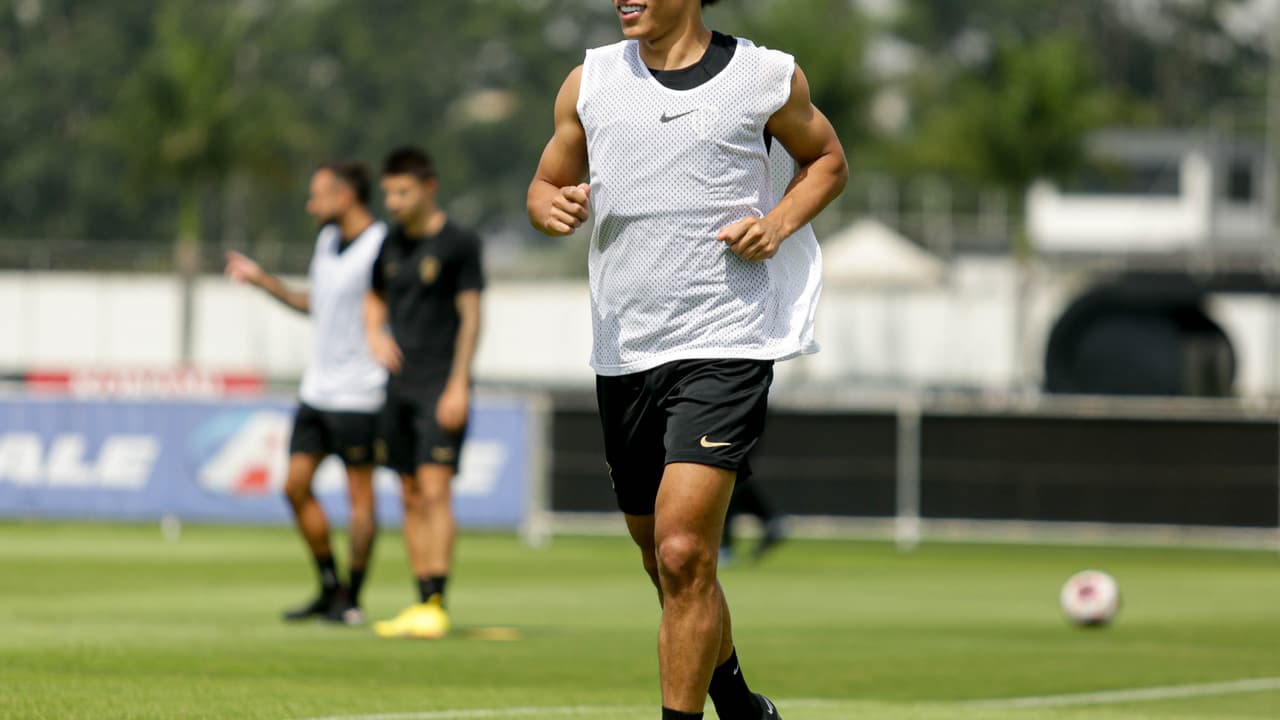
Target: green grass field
x,y
114,622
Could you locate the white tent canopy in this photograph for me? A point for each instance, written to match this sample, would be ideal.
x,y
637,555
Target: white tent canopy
x,y
870,254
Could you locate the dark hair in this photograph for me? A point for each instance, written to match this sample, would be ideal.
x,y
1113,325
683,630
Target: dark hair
x,y
409,160
709,2
352,173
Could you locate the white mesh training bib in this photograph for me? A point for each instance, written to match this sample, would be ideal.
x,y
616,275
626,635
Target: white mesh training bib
x,y
669,169
342,375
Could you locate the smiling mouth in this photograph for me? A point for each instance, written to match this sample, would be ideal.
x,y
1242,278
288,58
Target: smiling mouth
x,y
629,12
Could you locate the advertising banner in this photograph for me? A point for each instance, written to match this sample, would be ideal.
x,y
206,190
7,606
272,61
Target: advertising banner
x,y
223,461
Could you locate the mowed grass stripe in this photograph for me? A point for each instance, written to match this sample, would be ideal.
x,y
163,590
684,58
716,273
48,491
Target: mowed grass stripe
x,y
100,621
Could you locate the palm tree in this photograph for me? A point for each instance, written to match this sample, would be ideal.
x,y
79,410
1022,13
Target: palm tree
x,y
192,117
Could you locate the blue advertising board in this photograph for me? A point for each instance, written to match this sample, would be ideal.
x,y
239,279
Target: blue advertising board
x,y
223,461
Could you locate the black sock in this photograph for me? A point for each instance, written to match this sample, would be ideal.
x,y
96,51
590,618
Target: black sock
x,y
432,586
354,584
729,692
669,714
328,574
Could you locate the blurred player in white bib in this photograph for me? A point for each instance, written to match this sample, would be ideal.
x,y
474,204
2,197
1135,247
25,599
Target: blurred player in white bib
x,y
342,388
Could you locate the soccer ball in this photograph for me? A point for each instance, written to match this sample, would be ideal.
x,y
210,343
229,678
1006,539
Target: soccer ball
x,y
1090,598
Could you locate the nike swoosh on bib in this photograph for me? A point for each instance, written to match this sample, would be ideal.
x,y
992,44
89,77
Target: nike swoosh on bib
x,y
668,118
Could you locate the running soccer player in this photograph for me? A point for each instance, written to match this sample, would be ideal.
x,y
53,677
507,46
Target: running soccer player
x,y
700,277
342,387
422,317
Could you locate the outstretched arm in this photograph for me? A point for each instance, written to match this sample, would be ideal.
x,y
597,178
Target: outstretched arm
x,y
243,269
823,170
558,199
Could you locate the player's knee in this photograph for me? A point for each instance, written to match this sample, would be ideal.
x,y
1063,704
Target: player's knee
x,y
361,499
360,492
297,491
435,496
683,560
362,514
414,502
433,488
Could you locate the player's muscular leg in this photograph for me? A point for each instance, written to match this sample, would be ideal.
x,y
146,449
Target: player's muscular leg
x,y
688,519
641,528
429,526
310,517
363,525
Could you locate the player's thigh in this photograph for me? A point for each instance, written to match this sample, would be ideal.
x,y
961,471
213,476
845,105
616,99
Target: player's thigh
x,y
352,437
301,472
716,411
395,445
692,502
633,423
433,445
310,434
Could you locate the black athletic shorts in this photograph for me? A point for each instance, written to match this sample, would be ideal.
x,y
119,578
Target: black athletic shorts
x,y
349,435
409,436
709,412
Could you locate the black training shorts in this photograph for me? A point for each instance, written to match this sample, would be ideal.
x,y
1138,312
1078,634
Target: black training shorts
x,y
409,436
349,435
709,412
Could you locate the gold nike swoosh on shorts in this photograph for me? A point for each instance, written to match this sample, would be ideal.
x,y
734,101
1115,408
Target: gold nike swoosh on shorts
x,y
704,442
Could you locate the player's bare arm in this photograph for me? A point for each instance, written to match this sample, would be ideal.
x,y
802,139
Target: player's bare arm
x,y
244,269
382,346
821,175
454,403
558,199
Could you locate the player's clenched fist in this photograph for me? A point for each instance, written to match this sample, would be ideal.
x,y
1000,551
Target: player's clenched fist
x,y
752,239
569,209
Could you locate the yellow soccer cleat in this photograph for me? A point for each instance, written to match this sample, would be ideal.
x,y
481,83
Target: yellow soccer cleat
x,y
425,621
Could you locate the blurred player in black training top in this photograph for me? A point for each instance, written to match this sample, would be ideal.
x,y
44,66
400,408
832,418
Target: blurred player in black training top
x,y
342,388
422,317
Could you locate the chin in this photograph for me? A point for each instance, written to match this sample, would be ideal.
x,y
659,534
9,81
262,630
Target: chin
x,y
636,31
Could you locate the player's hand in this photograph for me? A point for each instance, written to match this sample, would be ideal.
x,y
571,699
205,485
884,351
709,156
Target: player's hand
x,y
386,352
241,268
752,239
451,409
569,209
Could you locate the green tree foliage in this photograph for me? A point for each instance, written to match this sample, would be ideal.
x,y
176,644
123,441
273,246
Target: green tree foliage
x,y
1174,62
194,114
1025,117
60,67
828,39
223,108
